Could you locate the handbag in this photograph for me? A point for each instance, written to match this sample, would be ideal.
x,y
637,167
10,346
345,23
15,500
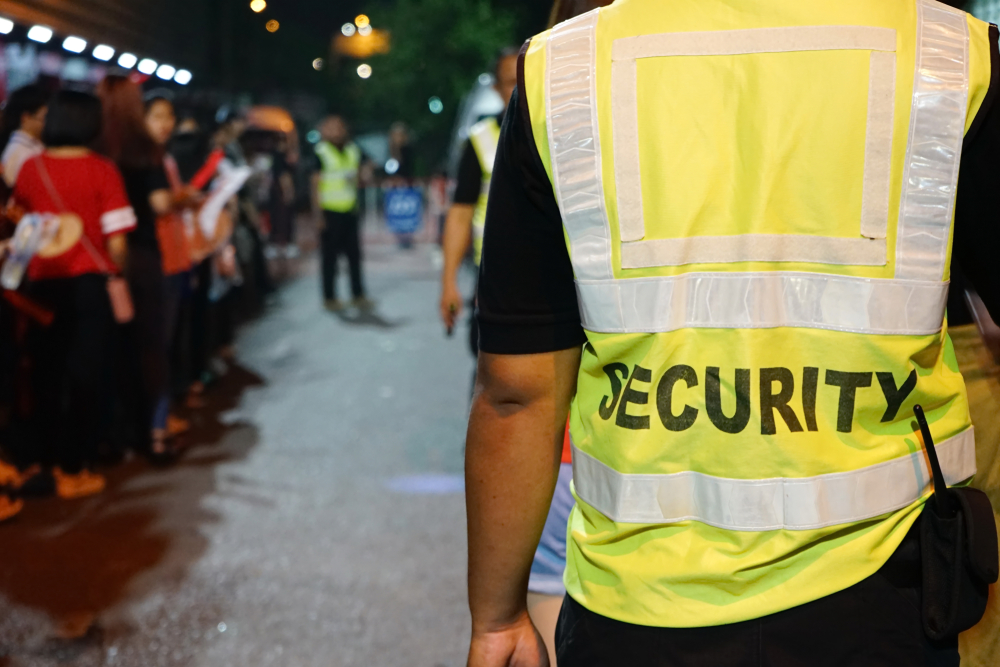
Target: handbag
x,y
175,250
958,545
118,292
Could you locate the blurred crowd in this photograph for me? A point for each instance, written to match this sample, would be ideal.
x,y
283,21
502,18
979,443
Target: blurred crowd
x,y
127,313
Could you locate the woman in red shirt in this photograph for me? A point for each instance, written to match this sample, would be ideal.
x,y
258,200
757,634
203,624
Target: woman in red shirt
x,y
71,356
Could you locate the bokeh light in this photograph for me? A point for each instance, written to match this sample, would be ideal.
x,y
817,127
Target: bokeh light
x,y
127,60
75,44
318,64
361,21
272,26
183,77
364,70
104,52
313,137
348,29
148,65
365,30
435,105
166,72
258,5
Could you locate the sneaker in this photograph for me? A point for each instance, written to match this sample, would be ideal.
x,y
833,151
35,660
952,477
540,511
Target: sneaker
x,y
334,305
9,507
80,485
10,476
363,304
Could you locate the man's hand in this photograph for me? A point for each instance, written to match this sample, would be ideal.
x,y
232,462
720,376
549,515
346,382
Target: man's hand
x,y
517,645
451,304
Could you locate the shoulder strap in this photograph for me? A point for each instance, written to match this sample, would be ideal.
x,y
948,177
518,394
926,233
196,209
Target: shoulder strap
x,y
43,172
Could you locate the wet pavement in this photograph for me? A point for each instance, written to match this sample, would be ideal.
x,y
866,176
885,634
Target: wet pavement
x,y
317,519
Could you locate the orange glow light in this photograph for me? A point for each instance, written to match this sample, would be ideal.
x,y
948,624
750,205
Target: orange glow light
x,y
258,5
361,21
272,26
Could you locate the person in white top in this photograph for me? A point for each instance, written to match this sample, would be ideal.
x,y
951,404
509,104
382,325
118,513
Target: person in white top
x,y
23,120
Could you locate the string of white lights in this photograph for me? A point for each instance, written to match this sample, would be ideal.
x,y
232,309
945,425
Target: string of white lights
x,y
43,35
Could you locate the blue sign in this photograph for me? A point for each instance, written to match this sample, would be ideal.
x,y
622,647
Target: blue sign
x,y
404,210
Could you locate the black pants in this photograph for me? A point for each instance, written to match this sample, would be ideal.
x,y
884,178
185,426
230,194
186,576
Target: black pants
x,y
144,366
71,371
341,237
876,623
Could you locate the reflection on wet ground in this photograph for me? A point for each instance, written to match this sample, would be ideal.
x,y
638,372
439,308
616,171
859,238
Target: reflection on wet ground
x,y
317,518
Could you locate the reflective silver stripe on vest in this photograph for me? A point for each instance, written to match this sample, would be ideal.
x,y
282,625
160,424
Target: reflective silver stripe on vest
x,y
911,304
575,145
762,300
768,504
937,129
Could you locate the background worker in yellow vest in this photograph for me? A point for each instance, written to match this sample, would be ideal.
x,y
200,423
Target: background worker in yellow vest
x,y
720,235
467,215
335,200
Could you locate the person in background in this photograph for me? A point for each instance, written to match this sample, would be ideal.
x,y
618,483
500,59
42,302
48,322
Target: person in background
x,y
127,141
174,248
335,202
72,356
21,134
464,223
400,168
281,201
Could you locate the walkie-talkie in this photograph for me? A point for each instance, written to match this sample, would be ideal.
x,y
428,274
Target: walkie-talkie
x,y
958,549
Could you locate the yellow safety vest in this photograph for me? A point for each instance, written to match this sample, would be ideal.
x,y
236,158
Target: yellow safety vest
x,y
338,188
485,137
758,199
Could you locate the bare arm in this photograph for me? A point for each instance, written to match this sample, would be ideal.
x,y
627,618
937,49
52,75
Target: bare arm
x,y
512,462
457,235
162,201
117,246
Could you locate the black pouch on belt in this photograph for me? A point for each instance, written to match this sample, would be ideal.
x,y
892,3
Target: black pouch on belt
x,y
958,543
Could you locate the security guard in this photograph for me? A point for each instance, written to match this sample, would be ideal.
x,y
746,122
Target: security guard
x,y
335,197
467,216
720,234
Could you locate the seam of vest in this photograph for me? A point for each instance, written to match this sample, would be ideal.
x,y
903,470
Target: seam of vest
x,y
778,503
934,148
755,40
754,248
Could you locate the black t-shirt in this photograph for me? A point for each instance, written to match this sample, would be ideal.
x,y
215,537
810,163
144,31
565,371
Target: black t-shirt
x,y
140,183
527,295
